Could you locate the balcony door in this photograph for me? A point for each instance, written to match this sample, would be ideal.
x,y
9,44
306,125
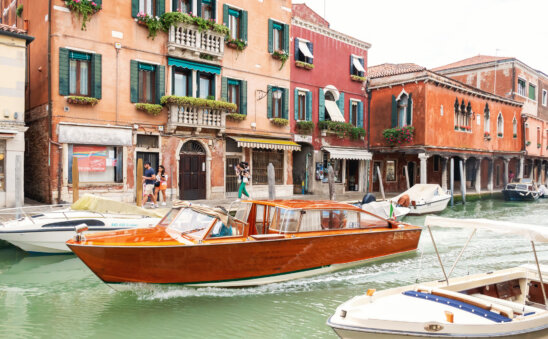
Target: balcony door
x,y
192,171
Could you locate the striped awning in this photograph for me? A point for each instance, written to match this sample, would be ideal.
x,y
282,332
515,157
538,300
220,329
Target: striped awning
x,y
275,144
348,153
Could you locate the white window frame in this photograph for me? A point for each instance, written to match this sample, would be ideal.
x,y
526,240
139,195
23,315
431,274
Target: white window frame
x,y
544,97
500,130
524,92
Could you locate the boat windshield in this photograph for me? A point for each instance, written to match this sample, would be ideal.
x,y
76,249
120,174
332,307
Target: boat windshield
x,y
191,222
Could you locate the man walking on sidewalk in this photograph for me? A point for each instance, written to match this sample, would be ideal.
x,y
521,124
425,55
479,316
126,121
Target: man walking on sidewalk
x,y
149,178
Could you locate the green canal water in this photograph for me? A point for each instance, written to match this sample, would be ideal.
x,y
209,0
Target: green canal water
x,y
56,296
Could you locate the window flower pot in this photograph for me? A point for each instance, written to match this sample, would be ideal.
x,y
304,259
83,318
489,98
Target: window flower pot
x,y
281,122
236,117
77,100
357,78
151,109
305,65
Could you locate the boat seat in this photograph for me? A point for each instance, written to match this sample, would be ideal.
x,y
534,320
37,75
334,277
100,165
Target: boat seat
x,y
468,299
519,309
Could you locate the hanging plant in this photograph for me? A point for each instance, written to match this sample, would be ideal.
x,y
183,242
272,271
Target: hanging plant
x,y
238,44
166,20
282,56
151,109
153,23
397,136
84,8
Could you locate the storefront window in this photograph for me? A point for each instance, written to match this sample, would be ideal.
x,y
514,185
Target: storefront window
x,y
97,164
261,159
337,168
390,170
2,165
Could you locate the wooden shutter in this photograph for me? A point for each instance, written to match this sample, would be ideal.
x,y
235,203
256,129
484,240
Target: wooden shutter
x,y
243,26
225,15
269,102
213,87
296,52
340,103
134,8
160,82
410,111
160,7
321,105
363,65
99,2
311,48
286,38
394,112
199,9
351,63
174,5
96,75
270,43
350,111
243,97
286,103
224,89
360,114
296,104
134,81
64,71
309,106
214,9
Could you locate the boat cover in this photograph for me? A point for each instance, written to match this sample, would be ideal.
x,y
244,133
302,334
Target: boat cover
x,y
530,232
214,212
93,203
422,191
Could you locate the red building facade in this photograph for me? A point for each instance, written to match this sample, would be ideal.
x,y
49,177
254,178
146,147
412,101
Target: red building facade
x,y
449,122
328,105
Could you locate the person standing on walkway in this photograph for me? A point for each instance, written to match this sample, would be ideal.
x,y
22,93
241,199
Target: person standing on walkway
x,y
511,176
242,171
161,184
149,178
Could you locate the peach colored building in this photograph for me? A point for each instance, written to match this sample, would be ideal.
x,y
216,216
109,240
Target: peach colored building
x,y
87,87
423,122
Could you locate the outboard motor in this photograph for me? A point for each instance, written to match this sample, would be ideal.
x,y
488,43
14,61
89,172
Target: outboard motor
x,y
368,198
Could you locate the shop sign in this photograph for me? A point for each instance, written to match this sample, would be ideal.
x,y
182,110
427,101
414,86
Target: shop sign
x,y
302,138
91,158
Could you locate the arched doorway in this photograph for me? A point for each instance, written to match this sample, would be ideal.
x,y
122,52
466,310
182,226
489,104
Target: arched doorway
x,y
411,171
192,171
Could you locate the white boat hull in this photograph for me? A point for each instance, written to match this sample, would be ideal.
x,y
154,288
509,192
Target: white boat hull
x,y
433,206
382,209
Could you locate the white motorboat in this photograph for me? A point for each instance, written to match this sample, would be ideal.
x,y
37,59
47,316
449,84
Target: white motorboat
x,y
509,303
426,198
382,209
524,190
543,191
39,231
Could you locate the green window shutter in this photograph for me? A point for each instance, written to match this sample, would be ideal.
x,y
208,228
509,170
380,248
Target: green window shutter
x,y
64,71
410,111
309,106
394,112
362,74
296,52
340,103
160,7
214,9
286,103
269,102
99,2
224,89
243,26
270,43
243,97
134,8
199,8
296,104
174,5
96,75
214,87
321,105
286,38
197,84
311,48
350,111
351,63
225,15
360,114
532,92
134,81
160,82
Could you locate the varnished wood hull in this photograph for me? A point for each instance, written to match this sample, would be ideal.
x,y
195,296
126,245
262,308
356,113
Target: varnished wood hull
x,y
242,263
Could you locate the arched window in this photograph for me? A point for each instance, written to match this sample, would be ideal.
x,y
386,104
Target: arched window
x,y
515,127
402,110
539,137
500,125
527,136
487,119
456,106
192,147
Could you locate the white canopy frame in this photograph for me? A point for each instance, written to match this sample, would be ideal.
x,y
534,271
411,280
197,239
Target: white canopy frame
x,y
530,232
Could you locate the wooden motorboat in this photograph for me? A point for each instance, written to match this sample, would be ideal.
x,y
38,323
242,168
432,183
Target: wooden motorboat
x,y
524,190
509,303
265,242
43,230
425,198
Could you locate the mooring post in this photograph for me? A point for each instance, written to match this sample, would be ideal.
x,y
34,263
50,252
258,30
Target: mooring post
x,y
452,180
271,182
380,183
331,179
462,182
406,176
139,183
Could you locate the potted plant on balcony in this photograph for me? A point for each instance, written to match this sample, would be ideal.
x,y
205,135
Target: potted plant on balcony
x,y
305,65
282,56
77,100
237,43
539,145
357,133
487,136
85,9
198,103
527,143
515,135
357,78
398,136
151,109
305,127
153,23
468,128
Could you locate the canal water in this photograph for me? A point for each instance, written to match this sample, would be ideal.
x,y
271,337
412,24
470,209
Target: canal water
x,y
56,296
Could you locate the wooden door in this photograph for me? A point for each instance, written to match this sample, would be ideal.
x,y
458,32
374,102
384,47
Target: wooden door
x,y
231,185
192,176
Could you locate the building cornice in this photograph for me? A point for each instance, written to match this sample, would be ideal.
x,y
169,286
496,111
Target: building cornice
x,y
490,64
330,33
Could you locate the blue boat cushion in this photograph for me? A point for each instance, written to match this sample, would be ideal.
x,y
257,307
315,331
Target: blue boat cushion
x,y
460,305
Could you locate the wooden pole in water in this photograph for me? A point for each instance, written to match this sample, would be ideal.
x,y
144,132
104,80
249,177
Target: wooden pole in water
x,y
75,180
331,179
380,183
139,183
462,182
452,183
170,183
271,181
407,177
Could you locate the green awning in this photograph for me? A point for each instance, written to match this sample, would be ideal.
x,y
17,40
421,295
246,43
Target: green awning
x,y
194,65
79,56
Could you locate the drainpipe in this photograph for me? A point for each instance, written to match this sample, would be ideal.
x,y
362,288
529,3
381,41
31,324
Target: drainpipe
x,y
368,94
513,80
50,105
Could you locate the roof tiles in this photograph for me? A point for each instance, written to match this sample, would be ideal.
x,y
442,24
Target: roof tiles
x,y
392,69
478,59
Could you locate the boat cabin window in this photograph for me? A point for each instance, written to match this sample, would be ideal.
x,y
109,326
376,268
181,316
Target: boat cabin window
x,y
168,218
285,220
235,228
316,220
191,222
242,211
263,218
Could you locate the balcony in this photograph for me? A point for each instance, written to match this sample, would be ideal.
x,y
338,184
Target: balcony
x,y
186,41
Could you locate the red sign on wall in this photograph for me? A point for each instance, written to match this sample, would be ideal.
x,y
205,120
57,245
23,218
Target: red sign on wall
x,y
91,158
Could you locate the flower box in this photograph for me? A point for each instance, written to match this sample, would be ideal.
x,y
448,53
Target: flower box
x,y
341,129
236,116
151,109
238,44
397,136
305,127
515,135
281,122
198,103
527,143
357,78
539,145
499,135
76,100
305,65
85,9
